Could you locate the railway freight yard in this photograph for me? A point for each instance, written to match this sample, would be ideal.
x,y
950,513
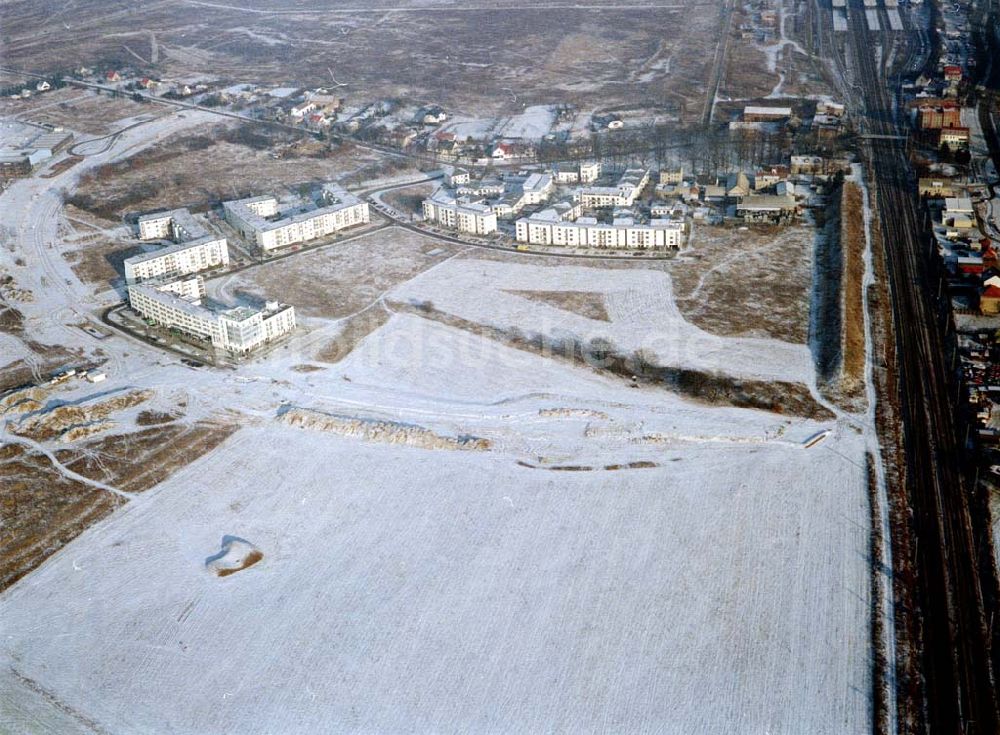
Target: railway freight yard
x,y
338,402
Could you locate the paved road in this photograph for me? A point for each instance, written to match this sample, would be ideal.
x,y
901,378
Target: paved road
x,y
959,691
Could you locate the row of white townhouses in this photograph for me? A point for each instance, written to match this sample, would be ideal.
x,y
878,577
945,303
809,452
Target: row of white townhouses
x,y
193,249
258,218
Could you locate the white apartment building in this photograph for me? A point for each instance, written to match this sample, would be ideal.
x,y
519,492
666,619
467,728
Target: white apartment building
x,y
623,194
536,189
675,176
456,176
258,218
590,171
481,189
586,172
194,249
239,330
549,228
464,216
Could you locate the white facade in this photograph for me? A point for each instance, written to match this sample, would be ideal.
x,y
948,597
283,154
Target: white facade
x,y
481,189
590,171
672,177
194,248
250,217
471,217
585,173
546,228
536,188
624,194
456,176
239,330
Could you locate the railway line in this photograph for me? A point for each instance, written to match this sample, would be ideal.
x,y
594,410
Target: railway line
x,y
954,602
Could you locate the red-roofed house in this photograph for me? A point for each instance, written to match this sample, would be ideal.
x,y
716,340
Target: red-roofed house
x,y
989,301
113,76
501,151
953,73
969,265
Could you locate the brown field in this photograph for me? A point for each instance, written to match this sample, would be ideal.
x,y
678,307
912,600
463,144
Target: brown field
x,y
92,251
222,163
341,279
77,110
138,461
852,373
585,303
746,73
549,51
41,510
410,198
747,283
354,329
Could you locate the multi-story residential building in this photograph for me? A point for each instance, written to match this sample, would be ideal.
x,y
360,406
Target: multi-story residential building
x,y
954,137
258,218
944,115
586,172
673,176
536,189
194,248
484,188
590,171
623,194
551,227
238,331
459,213
456,176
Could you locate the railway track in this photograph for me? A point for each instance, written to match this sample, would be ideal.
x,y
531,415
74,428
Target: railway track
x,y
959,692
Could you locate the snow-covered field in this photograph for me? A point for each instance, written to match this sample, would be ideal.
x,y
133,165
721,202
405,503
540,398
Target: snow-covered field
x,y
405,590
640,304
532,124
618,558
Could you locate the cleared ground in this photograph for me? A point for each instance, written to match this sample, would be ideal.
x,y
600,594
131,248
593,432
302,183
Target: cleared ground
x,y
549,51
77,110
734,564
337,290
639,302
577,553
219,163
748,282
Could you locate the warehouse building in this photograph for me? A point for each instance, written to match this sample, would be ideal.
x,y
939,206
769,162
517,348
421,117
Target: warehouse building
x,y
766,208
